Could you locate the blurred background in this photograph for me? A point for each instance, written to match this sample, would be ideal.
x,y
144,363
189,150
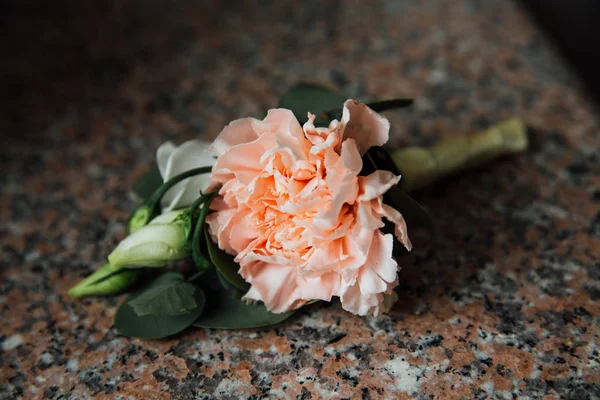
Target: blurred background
x,y
574,27
84,54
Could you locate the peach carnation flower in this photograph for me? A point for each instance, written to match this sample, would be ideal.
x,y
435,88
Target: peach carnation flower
x,y
301,222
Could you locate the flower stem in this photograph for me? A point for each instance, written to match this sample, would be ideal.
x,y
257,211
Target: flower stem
x,y
196,276
201,261
194,206
151,207
326,116
420,167
160,192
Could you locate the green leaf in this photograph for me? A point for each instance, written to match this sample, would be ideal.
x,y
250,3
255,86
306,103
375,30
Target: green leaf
x,y
225,264
306,97
326,104
233,290
167,296
148,183
198,242
224,311
414,213
378,106
385,105
378,158
130,324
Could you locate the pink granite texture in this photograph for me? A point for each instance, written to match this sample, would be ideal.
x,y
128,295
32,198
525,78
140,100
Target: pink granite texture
x,y
501,302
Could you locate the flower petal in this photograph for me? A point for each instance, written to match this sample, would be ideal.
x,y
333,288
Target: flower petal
x,y
376,184
300,221
281,289
394,216
343,184
364,125
173,161
276,286
377,276
162,156
280,120
236,132
242,162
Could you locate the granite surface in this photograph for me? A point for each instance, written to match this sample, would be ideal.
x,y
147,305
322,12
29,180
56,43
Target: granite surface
x,y
501,302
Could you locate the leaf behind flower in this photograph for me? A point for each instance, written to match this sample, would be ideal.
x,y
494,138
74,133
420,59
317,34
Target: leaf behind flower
x,y
391,104
326,104
378,106
227,311
231,289
414,213
148,183
306,97
225,264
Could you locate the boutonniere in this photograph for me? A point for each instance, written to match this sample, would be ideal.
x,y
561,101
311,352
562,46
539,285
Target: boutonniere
x,y
303,205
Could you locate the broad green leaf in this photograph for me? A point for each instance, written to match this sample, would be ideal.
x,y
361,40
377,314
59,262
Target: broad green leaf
x,y
414,214
378,158
233,290
224,311
225,264
130,324
168,295
148,183
391,104
306,97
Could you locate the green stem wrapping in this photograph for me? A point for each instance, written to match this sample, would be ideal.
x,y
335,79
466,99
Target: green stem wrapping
x,y
420,167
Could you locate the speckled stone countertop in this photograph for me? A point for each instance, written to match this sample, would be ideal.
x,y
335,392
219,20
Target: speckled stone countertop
x,y
502,302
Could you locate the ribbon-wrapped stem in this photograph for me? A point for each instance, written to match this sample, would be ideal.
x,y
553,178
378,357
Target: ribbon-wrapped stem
x,y
420,166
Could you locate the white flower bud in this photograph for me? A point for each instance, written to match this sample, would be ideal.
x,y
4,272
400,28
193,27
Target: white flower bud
x,y
173,160
161,241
